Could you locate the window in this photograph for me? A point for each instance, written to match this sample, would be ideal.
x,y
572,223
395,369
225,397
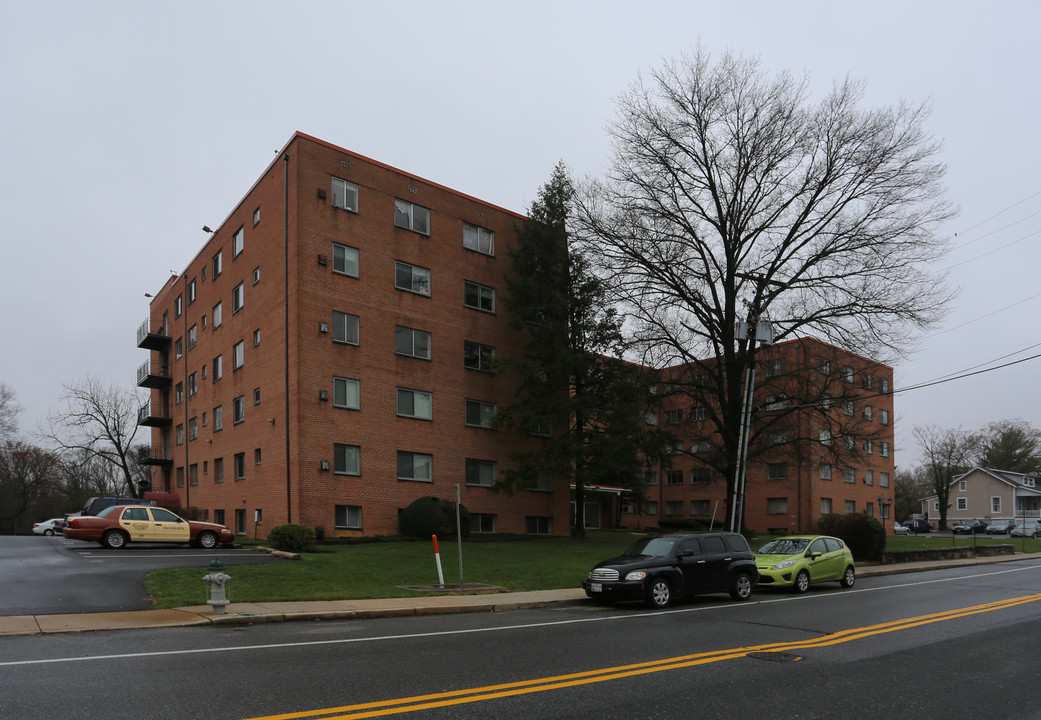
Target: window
x,y
777,506
537,525
479,297
345,328
825,471
850,475
825,506
825,367
700,476
869,447
240,466
700,446
869,381
411,278
650,477
411,216
238,355
825,436
178,393
193,335
218,368
883,385
673,477
883,417
238,241
650,507
193,428
700,507
415,404
848,408
345,260
869,477
256,217
204,322
193,384
218,470
218,264
850,507
178,307
256,275
826,402
482,523
345,195
774,367
411,342
415,466
238,298
346,393
543,481
178,348
346,459
218,418
673,417
699,413
674,507
478,238
777,437
477,356
218,315
480,414
193,474
883,479
238,409
256,337
651,417
775,402
847,374
191,291
348,517
480,472
963,485
204,416
867,412
776,471
884,449
257,455
963,504
256,396
180,477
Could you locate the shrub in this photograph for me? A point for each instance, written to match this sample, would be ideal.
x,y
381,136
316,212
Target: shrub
x,y
432,516
291,538
864,535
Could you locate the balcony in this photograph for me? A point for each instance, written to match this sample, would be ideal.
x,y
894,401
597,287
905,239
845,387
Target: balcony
x,y
152,339
155,456
151,375
153,414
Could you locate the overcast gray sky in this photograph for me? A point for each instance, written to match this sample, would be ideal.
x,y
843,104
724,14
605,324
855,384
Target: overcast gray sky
x,y
127,126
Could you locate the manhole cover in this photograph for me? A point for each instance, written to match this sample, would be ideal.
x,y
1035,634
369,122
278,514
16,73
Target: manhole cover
x,y
775,656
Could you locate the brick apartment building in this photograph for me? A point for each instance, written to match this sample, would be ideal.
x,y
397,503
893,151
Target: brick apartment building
x,y
323,358
821,442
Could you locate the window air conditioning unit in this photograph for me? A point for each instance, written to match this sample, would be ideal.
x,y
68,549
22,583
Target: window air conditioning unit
x,y
323,327
321,193
324,465
322,260
323,394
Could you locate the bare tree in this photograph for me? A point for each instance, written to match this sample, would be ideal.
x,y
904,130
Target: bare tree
x,y
731,197
9,409
27,475
948,453
909,487
99,422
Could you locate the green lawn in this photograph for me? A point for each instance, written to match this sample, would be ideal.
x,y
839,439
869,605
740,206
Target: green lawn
x,y
376,570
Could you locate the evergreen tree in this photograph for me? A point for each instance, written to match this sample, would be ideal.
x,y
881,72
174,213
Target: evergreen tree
x,y
573,387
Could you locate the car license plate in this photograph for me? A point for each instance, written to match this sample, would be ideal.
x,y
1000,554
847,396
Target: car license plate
x,y
596,587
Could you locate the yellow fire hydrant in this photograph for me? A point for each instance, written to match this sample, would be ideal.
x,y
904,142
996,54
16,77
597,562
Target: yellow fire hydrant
x,y
217,579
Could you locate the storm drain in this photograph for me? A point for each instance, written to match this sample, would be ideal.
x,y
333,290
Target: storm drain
x,y
775,656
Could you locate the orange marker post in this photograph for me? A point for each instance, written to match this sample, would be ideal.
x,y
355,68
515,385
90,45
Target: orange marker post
x,y
437,558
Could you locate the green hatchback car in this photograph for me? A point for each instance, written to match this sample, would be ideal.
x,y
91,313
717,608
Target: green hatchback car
x,y
797,561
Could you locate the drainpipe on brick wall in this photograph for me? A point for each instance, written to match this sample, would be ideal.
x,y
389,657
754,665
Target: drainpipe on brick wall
x,y
285,289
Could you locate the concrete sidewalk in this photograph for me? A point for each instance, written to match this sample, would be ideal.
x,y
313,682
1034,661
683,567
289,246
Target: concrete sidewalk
x,y
247,613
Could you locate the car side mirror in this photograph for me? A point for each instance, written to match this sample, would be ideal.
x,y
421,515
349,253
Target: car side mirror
x,y
685,554
815,555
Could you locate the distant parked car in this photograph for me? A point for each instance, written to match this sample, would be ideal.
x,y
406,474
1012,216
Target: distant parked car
x,y
918,526
969,527
796,561
1001,527
1028,528
49,527
899,529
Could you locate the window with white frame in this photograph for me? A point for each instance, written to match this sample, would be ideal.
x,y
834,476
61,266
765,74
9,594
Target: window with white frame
x,y
777,471
777,506
825,436
345,260
673,508
477,356
867,412
218,264
883,385
415,404
415,466
346,393
480,414
825,471
256,275
345,195
825,506
699,413
193,428
542,482
963,503
218,315
700,507
850,475
238,242
348,517
963,485
847,374
869,446
883,449
851,507
412,342
411,216
869,477
673,477
346,459
480,473
238,355
218,368
995,505
478,238
883,479
345,328
650,507
482,523
539,525
238,298
193,384
479,297
218,418
239,409
650,477
848,407
673,417
191,291
701,476
883,417
411,278
193,336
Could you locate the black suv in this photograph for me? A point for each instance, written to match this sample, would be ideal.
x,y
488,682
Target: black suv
x,y
663,568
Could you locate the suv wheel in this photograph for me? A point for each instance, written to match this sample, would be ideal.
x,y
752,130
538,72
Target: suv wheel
x,y
659,594
741,586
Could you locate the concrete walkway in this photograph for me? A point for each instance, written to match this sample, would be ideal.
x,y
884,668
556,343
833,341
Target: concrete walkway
x,y
246,613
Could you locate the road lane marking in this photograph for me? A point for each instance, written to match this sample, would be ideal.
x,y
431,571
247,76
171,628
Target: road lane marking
x,y
458,697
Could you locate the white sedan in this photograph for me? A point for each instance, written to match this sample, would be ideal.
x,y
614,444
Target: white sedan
x,y
899,529
49,527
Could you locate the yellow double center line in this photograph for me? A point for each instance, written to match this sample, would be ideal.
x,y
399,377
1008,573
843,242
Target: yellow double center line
x,y
559,682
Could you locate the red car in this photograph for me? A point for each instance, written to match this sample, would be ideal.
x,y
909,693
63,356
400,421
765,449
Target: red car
x,y
118,525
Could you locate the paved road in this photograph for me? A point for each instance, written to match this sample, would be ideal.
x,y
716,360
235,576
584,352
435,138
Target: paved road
x,y
52,575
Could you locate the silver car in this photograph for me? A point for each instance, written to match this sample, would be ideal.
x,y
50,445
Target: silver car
x,y
1028,528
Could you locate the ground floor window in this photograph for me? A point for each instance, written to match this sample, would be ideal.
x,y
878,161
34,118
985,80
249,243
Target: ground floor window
x,y
777,506
482,523
348,517
240,521
538,525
